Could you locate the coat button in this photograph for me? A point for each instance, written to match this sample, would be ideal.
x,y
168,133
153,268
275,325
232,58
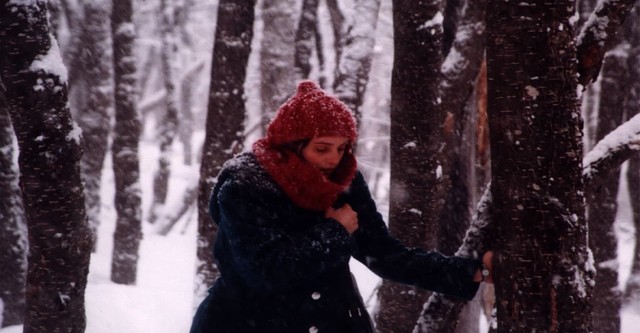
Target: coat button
x,y
313,329
316,295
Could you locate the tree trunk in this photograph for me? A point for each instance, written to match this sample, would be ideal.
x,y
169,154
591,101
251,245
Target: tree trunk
x,y
93,117
417,186
632,107
460,71
124,149
13,229
225,120
602,205
35,86
543,277
277,54
352,73
168,125
305,38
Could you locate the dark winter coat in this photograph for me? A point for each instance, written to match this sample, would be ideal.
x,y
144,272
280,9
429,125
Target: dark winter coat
x,y
285,269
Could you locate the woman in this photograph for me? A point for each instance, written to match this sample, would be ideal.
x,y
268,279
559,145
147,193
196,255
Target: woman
x,y
291,214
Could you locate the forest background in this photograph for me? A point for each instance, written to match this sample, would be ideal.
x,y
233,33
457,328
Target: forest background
x,y
184,104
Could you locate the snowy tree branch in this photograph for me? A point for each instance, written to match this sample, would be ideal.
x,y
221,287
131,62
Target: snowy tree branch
x,y
596,36
463,60
440,312
611,152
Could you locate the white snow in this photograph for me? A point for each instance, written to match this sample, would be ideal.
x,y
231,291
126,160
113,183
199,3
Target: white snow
x,y
75,134
435,21
627,133
51,62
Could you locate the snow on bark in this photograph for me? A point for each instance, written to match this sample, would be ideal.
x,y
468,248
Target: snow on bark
x,y
305,37
355,60
168,125
225,121
13,229
440,313
608,154
597,35
126,135
277,53
59,242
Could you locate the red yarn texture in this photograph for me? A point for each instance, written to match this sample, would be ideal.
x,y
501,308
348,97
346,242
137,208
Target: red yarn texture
x,y
310,113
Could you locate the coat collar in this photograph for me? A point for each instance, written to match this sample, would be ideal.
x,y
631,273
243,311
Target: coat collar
x,y
303,183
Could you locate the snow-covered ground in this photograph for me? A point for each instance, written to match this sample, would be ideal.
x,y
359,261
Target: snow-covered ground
x,y
162,300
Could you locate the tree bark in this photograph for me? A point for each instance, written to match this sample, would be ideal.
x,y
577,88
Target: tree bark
x,y
305,38
13,229
225,120
597,35
417,186
124,149
168,125
632,108
460,71
354,64
543,277
34,81
602,201
277,54
93,117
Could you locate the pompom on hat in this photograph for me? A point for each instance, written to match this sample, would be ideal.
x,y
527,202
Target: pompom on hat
x,y
311,113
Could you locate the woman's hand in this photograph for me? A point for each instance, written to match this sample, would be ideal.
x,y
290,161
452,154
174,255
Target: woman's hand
x,y
345,215
487,261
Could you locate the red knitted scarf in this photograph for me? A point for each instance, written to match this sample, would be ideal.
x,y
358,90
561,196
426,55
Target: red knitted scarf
x,y
303,183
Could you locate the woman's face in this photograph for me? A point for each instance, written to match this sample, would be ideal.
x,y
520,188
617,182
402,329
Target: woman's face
x,y
325,152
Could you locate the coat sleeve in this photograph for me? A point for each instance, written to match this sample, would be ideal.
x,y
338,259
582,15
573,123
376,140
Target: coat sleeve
x,y
267,257
390,259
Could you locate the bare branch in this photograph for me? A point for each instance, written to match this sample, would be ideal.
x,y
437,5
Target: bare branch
x,y
607,156
597,36
441,312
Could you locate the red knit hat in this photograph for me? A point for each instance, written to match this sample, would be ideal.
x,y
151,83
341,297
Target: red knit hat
x,y
311,113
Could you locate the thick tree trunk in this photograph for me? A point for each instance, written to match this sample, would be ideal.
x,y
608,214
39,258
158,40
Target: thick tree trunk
x,y
13,229
543,276
124,149
34,81
93,117
277,54
225,120
602,201
168,122
352,73
417,186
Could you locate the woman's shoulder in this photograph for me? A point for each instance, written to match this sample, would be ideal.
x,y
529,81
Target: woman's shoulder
x,y
244,171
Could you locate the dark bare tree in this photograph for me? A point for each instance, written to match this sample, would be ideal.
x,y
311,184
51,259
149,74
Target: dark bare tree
x,y
13,229
417,186
124,149
602,200
277,53
96,83
352,72
542,276
34,83
168,121
225,120
632,108
305,38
